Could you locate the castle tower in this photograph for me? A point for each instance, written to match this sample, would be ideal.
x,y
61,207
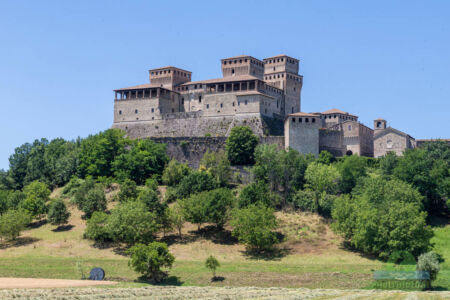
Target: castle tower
x,y
281,71
379,124
168,77
242,65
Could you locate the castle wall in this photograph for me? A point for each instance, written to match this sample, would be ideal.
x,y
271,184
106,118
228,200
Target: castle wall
x,y
302,136
332,141
190,150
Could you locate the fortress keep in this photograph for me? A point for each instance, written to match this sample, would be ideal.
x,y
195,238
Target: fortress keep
x,y
262,94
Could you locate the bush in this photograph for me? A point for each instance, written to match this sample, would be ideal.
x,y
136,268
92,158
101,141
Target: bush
x,y
195,182
177,217
149,259
212,263
218,165
429,262
219,204
171,195
254,227
175,172
128,191
240,145
256,192
326,203
131,222
58,214
95,201
13,222
326,158
71,187
37,194
15,199
96,228
305,200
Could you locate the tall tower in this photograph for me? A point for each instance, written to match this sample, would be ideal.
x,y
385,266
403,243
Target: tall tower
x,y
281,71
242,65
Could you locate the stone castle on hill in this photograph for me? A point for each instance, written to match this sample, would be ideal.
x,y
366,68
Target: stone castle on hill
x,y
262,94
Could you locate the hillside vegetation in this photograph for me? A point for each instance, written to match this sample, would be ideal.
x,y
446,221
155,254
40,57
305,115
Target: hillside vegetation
x,y
301,221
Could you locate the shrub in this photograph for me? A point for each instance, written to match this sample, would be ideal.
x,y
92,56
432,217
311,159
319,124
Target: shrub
x,y
326,203
254,227
175,172
151,200
325,158
152,184
218,165
15,199
13,222
58,213
305,201
37,194
240,145
195,182
177,217
95,201
256,192
429,262
71,187
149,259
131,222
128,191
219,204
96,228
212,263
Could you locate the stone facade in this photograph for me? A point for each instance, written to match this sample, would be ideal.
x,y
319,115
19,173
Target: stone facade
x,y
387,139
302,132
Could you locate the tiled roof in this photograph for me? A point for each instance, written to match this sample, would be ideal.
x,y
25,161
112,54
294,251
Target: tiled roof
x,y
380,133
141,86
337,111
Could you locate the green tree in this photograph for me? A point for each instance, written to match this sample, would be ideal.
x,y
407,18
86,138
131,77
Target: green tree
x,y
140,161
37,194
149,259
212,263
175,172
58,213
429,262
321,179
257,192
240,145
352,168
98,152
195,208
13,222
15,199
254,227
219,203
388,163
305,200
195,182
128,191
130,222
326,158
219,166
95,201
383,216
152,202
96,228
4,194
177,217
18,162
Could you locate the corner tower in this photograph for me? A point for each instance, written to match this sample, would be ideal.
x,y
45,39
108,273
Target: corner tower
x,y
281,71
242,65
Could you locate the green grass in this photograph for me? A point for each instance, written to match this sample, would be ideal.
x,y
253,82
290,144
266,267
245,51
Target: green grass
x,y
441,242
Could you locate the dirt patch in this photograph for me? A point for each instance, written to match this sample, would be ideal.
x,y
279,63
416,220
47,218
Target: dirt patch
x,y
27,283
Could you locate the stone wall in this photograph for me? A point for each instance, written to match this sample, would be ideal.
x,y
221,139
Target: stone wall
x,y
390,142
302,136
190,150
332,141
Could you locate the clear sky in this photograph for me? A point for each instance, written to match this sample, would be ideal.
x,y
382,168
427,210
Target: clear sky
x,y
60,60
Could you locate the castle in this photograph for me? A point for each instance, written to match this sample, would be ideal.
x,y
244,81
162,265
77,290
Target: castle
x,y
262,94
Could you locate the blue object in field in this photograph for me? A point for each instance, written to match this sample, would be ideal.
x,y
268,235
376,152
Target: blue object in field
x,y
97,274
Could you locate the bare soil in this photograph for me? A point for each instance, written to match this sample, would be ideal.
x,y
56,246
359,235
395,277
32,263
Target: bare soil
x,y
26,283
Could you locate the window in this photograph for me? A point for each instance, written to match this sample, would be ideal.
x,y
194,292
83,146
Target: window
x,y
300,120
335,116
135,111
153,110
221,105
173,110
313,120
233,103
232,71
349,127
245,102
182,100
224,62
292,109
120,112
207,106
293,120
200,99
306,120
378,124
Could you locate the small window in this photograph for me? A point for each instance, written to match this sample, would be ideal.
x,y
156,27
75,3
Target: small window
x,y
120,112
293,120
306,120
334,116
207,106
200,99
232,71
173,110
300,120
153,110
221,105
182,100
292,109
233,103
313,120
245,102
135,111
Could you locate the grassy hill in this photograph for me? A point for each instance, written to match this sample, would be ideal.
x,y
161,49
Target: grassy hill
x,y
311,256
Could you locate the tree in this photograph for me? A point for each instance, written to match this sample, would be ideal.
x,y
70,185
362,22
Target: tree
x,y
429,262
152,202
15,199
175,172
195,208
219,204
149,259
98,152
322,179
326,158
218,166
13,222
352,168
58,213
388,163
18,162
140,161
254,227
305,200
256,192
37,194
240,145
212,263
128,191
4,194
177,217
96,228
130,222
95,201
383,216
195,182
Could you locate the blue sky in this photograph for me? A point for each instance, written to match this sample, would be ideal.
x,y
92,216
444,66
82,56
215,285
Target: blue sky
x,y
60,60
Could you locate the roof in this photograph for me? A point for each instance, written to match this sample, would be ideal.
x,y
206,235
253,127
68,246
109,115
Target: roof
x,y
281,55
383,132
241,56
380,119
337,111
303,114
141,86
224,79
245,93
169,67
